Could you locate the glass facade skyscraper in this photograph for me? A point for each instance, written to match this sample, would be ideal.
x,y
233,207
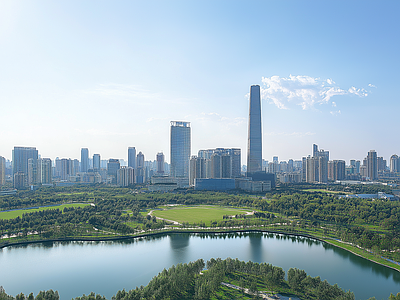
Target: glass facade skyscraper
x,y
132,157
21,155
180,149
254,146
84,160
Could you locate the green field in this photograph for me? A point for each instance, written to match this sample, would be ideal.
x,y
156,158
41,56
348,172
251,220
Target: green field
x,y
195,214
7,215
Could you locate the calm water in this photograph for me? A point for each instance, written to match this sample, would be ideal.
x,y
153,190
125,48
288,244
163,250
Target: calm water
x,y
77,268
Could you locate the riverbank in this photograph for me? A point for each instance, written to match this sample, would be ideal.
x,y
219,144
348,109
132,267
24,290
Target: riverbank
x,y
331,241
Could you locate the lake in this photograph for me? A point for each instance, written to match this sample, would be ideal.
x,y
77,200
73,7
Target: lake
x,y
76,268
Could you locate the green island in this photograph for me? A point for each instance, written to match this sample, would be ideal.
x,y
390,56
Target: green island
x,y
368,228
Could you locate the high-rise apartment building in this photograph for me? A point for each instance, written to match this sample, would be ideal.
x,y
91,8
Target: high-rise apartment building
x,y
96,162
46,171
126,176
160,163
84,160
132,157
254,146
317,166
21,155
372,165
140,168
394,163
336,170
231,162
180,149
2,170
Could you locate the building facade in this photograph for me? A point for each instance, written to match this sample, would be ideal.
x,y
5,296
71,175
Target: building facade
x,y
180,149
132,157
21,155
84,160
254,145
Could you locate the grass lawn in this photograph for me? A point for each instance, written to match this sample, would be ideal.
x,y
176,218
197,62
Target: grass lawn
x,y
7,215
195,214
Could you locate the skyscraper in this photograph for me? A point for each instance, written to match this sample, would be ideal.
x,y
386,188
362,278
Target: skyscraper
x,y
160,163
113,166
21,155
96,162
46,170
372,165
132,157
140,174
180,149
84,160
2,170
254,146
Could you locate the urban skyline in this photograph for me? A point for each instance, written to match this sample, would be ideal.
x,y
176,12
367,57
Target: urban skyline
x,y
111,75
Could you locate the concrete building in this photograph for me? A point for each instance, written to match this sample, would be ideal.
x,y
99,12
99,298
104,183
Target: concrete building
x,y
45,167
126,176
336,170
140,168
254,146
84,160
394,164
180,149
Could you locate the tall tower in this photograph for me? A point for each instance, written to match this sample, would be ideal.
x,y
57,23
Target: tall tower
x,y
84,160
132,157
160,163
372,165
21,155
180,149
96,162
254,146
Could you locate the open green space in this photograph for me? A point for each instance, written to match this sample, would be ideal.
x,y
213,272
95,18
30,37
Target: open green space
x,y
7,215
196,214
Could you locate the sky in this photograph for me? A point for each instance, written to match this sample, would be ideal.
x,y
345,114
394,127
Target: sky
x,y
107,75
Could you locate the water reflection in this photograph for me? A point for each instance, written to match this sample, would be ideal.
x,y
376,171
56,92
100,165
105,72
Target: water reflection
x,y
364,264
179,243
256,248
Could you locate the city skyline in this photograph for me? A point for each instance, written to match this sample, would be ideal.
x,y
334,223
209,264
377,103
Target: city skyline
x,y
112,75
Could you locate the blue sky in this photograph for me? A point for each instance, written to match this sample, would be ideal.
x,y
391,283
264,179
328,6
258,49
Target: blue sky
x,y
111,74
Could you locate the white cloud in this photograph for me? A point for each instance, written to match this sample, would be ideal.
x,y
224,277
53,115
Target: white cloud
x,y
305,91
335,113
371,85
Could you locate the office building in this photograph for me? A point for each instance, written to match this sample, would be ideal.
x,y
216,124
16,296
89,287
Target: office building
x,y
160,163
84,160
254,146
21,155
132,157
113,166
140,168
372,165
96,162
2,170
180,149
